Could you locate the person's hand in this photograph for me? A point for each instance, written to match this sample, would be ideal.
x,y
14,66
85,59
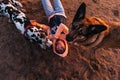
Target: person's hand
x,y
52,37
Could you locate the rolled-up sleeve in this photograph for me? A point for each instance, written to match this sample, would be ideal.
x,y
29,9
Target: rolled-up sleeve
x,y
61,29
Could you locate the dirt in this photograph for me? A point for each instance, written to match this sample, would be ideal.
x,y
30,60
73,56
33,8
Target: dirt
x,y
22,60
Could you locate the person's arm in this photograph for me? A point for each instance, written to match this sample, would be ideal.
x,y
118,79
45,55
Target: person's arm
x,y
45,27
62,28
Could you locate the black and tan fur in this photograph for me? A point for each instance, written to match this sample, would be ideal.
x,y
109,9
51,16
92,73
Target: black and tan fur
x,y
93,31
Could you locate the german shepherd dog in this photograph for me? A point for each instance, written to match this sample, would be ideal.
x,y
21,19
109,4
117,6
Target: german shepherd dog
x,y
87,31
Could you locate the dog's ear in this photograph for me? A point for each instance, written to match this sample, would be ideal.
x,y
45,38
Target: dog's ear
x,y
95,29
80,14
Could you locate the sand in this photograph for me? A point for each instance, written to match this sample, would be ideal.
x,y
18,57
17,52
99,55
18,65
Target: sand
x,y
22,60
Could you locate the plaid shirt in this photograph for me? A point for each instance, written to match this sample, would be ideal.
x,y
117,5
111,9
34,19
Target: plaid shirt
x,y
55,21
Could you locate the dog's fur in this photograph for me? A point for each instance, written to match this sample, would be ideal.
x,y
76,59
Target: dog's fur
x,y
33,33
92,31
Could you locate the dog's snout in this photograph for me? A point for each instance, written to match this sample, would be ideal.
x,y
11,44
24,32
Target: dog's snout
x,y
69,38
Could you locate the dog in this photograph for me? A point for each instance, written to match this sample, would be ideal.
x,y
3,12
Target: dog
x,y
92,31
32,32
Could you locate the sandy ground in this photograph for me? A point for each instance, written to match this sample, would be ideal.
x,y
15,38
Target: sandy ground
x,y
22,60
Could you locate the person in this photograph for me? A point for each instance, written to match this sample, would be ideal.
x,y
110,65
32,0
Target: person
x,y
57,23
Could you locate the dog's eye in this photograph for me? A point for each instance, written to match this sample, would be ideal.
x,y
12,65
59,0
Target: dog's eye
x,y
11,9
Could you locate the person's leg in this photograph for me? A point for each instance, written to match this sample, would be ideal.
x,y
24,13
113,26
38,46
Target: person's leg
x,y
49,10
58,7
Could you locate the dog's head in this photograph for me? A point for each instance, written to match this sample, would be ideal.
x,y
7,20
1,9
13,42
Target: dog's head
x,y
11,11
7,9
16,16
83,27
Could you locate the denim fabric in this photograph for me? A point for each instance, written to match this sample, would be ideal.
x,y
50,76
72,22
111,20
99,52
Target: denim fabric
x,y
50,10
